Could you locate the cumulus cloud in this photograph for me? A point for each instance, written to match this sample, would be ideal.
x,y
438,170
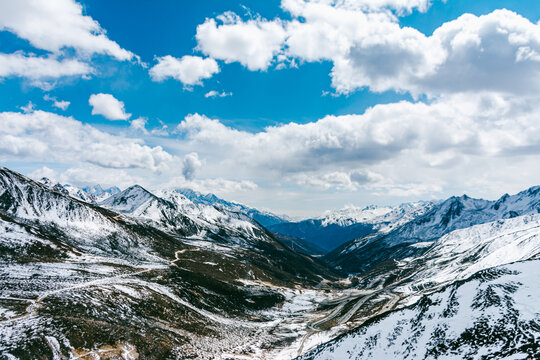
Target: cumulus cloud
x,y
253,43
28,108
36,67
398,149
139,124
191,165
368,47
44,136
42,172
401,7
90,174
58,24
189,70
60,104
108,106
214,185
220,185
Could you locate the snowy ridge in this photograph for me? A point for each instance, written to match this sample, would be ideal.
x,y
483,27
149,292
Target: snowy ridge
x,y
99,193
57,215
383,218
335,228
173,211
92,194
265,218
23,198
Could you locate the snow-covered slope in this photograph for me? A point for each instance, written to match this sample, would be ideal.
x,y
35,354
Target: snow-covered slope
x,y
53,214
80,194
265,218
334,228
92,194
172,211
464,252
383,219
411,237
492,315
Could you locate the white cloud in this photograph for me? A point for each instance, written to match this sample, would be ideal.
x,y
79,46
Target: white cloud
x,y
253,43
214,94
90,174
368,47
189,70
57,24
34,67
335,179
44,136
28,108
108,106
60,104
218,186
139,124
191,165
401,7
42,172
402,149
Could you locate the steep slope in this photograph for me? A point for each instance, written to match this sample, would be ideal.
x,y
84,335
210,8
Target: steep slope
x,y
337,227
464,252
416,235
265,218
491,315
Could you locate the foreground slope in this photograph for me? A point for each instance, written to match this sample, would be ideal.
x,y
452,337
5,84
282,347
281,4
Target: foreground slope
x,y
491,315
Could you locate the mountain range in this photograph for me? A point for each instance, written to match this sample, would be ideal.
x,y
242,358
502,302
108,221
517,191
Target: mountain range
x,y
135,274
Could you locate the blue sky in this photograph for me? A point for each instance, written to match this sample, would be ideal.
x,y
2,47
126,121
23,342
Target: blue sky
x,y
446,93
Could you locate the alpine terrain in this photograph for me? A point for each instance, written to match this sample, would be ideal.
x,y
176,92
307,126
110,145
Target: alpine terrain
x,y
175,274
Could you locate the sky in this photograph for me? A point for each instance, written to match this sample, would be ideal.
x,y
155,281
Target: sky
x,y
294,106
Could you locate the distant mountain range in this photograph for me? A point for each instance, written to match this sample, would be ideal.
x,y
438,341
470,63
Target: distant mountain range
x,y
265,218
418,234
337,227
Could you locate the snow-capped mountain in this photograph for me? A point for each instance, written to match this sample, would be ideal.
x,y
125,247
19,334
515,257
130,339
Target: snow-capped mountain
x,y
50,212
175,212
417,234
491,315
334,228
99,193
265,218
79,193
93,194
